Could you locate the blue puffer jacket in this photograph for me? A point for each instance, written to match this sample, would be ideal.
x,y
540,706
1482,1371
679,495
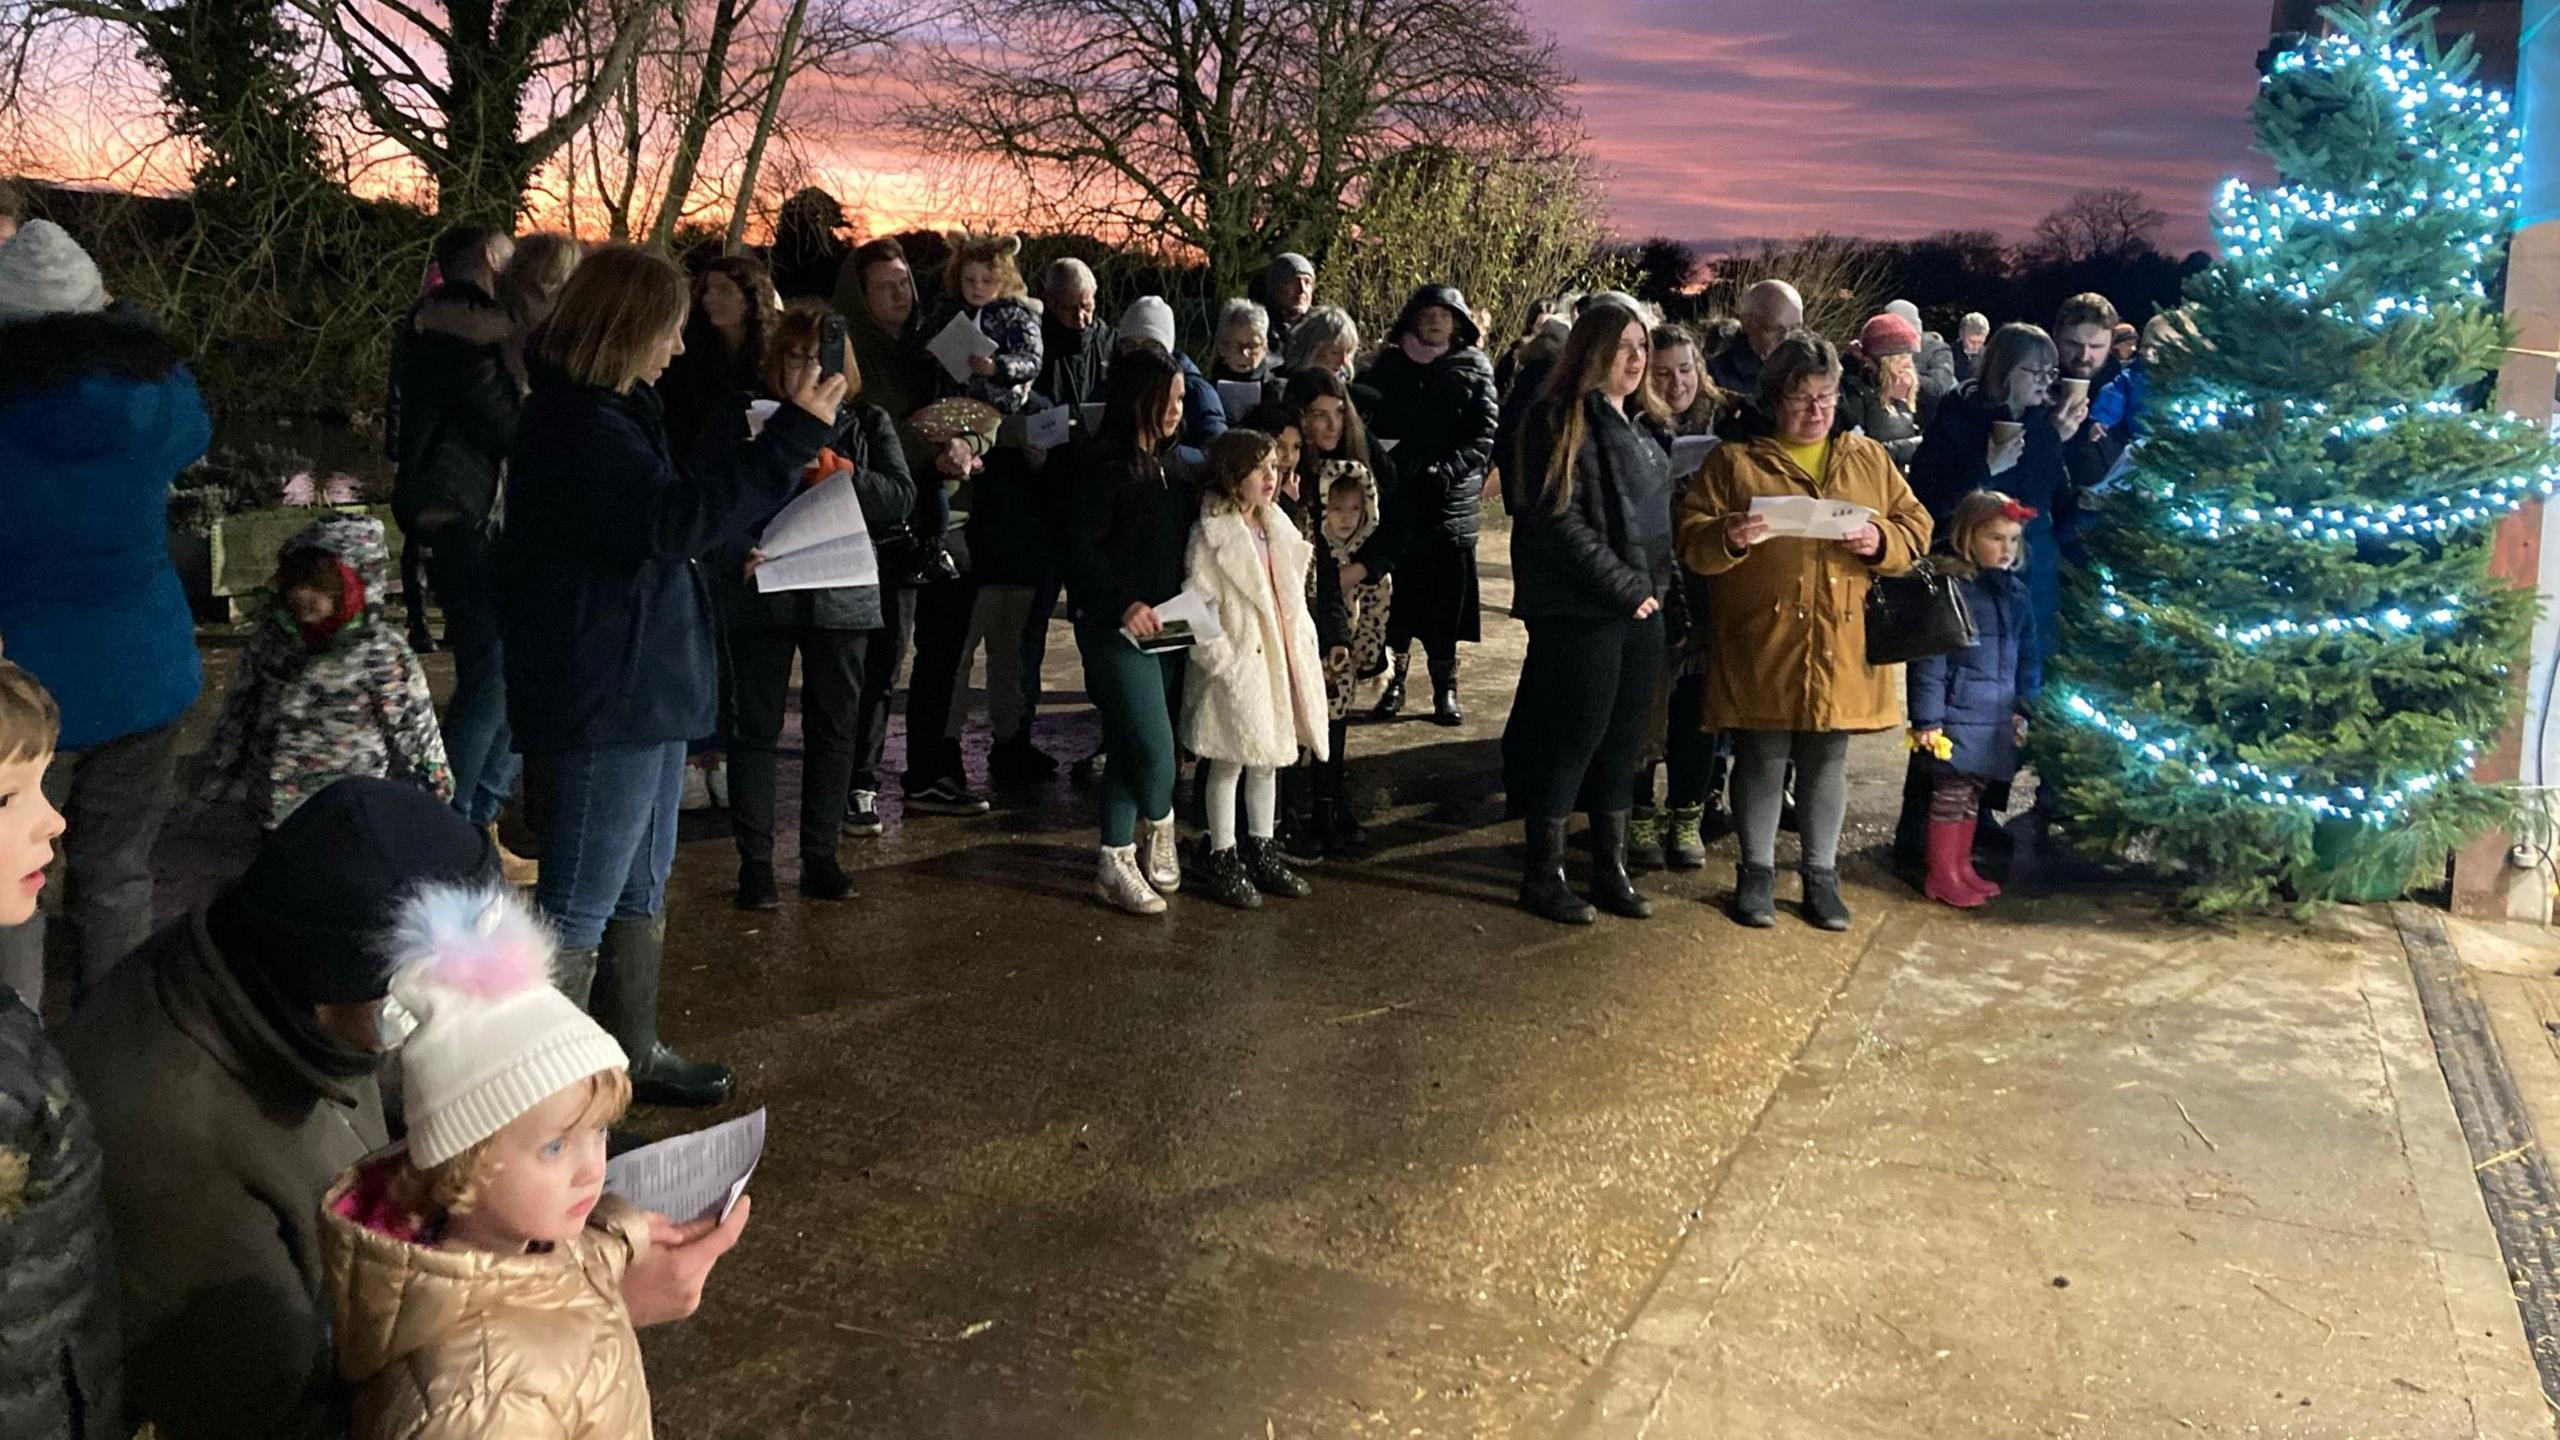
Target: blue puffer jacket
x,y
1974,695
96,418
608,620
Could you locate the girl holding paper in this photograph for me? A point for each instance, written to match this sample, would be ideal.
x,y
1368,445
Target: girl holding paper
x,y
1787,653
829,629
1129,519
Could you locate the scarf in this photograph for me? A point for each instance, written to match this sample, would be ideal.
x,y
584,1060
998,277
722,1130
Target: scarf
x,y
1419,353
350,605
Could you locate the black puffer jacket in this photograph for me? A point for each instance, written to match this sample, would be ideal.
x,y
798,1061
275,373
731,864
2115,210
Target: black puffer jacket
x,y
1128,532
1442,417
1610,549
60,1368
867,439
458,401
1864,410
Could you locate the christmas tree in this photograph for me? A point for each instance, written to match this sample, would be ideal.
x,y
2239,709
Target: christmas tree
x,y
2288,649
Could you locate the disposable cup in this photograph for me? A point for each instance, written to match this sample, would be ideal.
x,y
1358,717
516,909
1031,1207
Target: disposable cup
x,y
2073,390
2005,431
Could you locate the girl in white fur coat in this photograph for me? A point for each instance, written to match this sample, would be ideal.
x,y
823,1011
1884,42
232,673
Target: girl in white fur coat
x,y
1255,696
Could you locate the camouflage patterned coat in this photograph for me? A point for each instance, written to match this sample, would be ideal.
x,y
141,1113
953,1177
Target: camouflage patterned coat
x,y
300,717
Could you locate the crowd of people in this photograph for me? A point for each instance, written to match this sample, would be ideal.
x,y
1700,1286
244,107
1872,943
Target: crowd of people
x,y
589,446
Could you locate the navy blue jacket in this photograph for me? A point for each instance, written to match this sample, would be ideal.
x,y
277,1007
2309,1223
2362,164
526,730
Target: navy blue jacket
x,y
1974,694
96,418
608,620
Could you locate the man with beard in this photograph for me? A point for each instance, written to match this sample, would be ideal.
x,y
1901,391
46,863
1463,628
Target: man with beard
x,y
2084,334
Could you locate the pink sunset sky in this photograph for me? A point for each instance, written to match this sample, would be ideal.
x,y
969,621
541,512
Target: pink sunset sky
x,y
1738,118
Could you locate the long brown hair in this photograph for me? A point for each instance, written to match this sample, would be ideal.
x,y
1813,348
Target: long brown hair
x,y
1713,399
1140,389
1306,385
1233,457
1590,353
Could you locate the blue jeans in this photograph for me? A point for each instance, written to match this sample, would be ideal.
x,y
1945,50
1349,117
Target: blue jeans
x,y
609,835
476,740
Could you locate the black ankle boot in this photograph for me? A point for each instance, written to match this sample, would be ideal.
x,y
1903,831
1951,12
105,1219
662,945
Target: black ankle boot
x,y
1611,889
756,887
1444,704
1822,904
625,1002
1543,891
822,877
1390,700
1225,880
1755,896
1270,870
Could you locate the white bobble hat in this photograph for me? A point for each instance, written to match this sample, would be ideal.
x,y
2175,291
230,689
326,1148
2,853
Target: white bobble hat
x,y
1150,318
43,271
494,1037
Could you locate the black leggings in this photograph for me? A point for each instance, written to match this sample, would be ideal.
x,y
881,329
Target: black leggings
x,y
1579,717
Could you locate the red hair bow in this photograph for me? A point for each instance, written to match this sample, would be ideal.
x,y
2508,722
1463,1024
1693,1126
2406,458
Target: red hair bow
x,y
2020,513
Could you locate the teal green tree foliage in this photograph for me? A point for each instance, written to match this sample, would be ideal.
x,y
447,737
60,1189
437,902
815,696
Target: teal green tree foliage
x,y
2288,649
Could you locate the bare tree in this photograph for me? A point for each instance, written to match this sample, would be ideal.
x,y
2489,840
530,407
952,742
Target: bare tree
x,y
1227,127
2117,221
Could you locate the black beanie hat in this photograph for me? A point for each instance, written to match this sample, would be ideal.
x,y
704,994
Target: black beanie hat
x,y
311,914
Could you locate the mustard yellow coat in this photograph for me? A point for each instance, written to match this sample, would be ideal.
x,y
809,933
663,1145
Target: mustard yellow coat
x,y
466,1345
1787,622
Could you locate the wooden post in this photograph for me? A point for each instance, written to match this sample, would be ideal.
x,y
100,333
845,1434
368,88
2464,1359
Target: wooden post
x,y
2486,884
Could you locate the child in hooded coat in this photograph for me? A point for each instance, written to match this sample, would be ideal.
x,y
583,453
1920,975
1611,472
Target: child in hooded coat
x,y
327,686
1973,704
1255,696
476,1268
1356,615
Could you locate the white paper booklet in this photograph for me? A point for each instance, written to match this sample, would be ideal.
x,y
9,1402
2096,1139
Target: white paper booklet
x,y
1188,619
819,540
1239,397
1809,517
693,1175
1688,452
1044,431
758,412
955,343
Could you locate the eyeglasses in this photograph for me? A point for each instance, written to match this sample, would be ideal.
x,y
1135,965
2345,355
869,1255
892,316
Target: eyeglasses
x,y
801,357
2041,372
1823,401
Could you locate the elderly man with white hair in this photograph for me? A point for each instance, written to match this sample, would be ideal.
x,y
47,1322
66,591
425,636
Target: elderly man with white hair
x,y
1075,354
1768,311
1972,333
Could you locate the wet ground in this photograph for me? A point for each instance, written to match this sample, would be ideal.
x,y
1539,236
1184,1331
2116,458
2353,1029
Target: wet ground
x,y
1397,1159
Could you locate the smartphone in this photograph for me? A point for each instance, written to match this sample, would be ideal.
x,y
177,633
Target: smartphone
x,y
831,345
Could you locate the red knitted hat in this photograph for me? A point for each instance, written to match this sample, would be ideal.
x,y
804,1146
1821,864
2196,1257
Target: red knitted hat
x,y
1889,334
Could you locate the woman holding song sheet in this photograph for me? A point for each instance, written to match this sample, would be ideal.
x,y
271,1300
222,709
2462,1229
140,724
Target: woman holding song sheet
x,y
1787,661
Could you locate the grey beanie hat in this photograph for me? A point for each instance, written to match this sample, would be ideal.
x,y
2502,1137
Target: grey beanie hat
x,y
1149,318
43,271
1286,264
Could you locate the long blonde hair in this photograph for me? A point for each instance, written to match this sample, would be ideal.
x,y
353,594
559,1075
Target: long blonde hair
x,y
618,306
1590,353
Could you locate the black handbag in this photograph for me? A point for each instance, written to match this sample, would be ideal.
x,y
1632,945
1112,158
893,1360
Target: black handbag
x,y
1915,615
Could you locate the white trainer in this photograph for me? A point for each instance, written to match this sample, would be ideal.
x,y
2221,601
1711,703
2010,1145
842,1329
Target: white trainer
x,y
1160,854
1117,882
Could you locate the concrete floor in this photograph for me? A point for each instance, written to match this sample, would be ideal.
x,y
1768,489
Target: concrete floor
x,y
1399,1160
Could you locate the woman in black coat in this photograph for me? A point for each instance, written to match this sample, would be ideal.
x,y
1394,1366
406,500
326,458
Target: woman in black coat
x,y
1591,563
610,629
828,628
1436,401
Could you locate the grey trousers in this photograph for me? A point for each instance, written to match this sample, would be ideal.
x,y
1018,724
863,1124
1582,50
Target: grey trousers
x,y
113,798
1001,615
1760,790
